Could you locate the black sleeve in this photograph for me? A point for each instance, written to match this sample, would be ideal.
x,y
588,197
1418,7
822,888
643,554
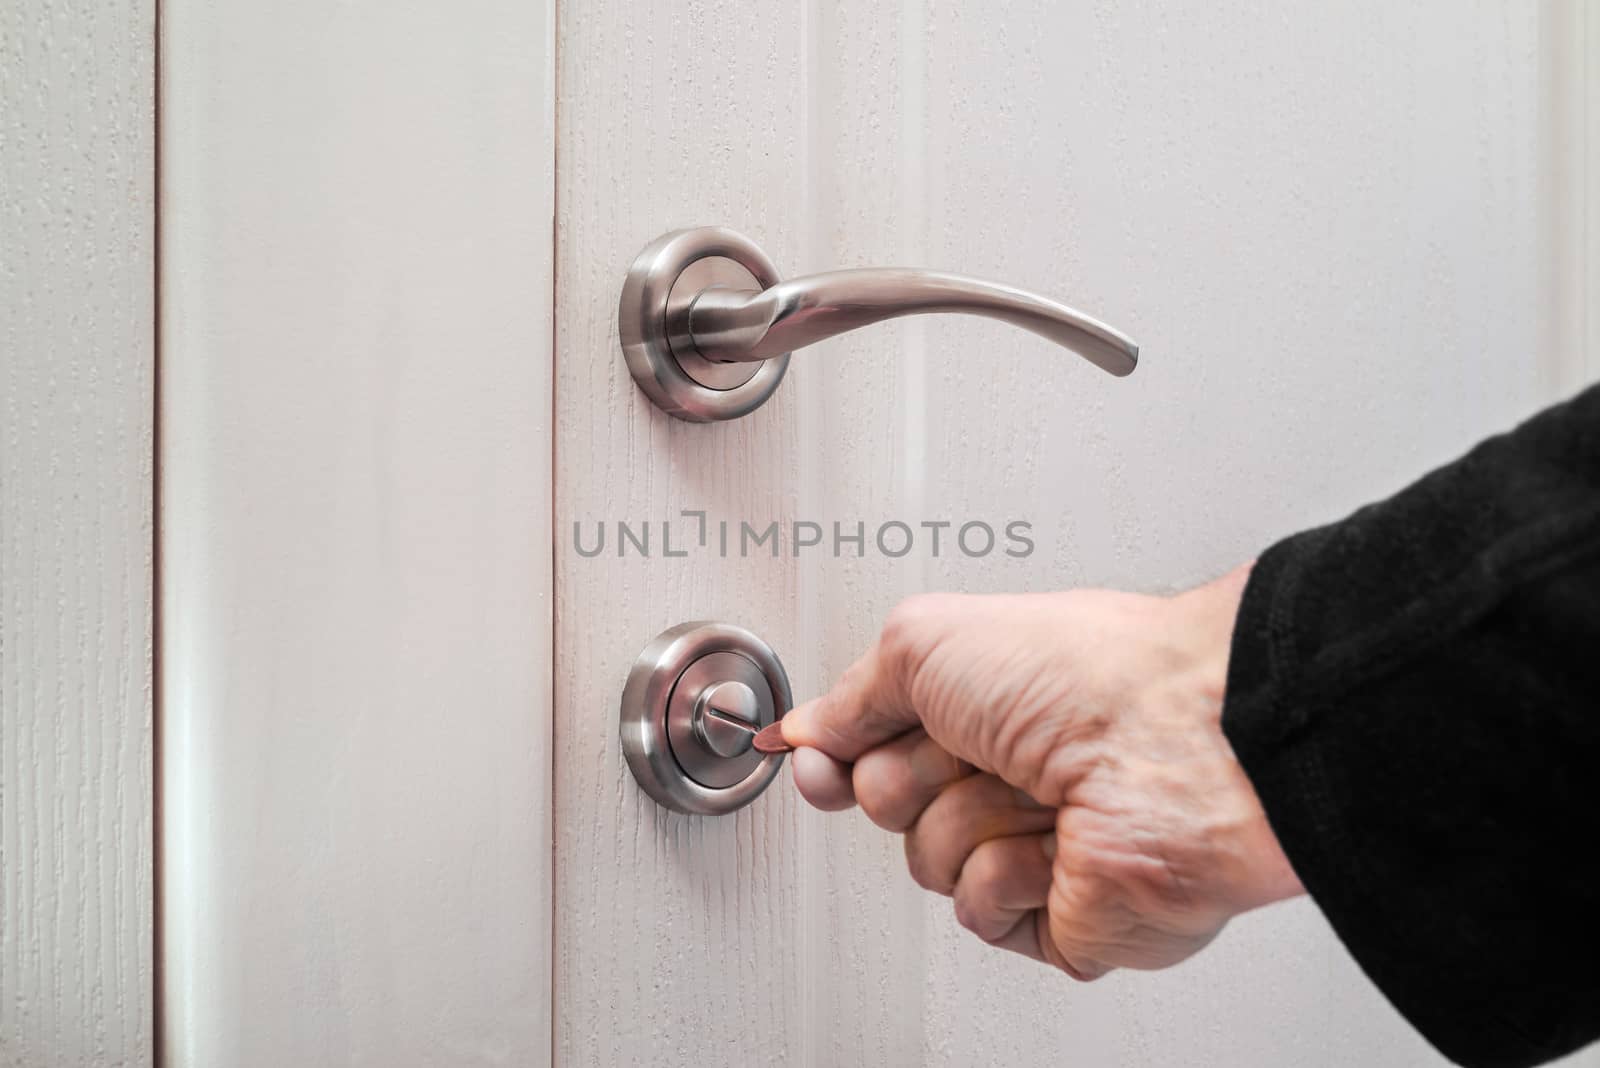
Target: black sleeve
x,y
1415,694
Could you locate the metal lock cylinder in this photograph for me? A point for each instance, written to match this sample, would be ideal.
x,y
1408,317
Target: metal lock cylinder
x,y
694,701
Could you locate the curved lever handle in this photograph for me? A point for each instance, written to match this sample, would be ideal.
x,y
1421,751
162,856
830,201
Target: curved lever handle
x,y
707,323
747,326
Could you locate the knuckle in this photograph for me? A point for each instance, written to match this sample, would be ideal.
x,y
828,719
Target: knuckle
x,y
876,791
911,610
912,616
851,679
1086,971
1071,955
967,915
1082,903
887,789
977,894
984,873
924,873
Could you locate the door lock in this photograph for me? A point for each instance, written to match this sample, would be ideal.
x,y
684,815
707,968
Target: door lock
x,y
693,703
725,718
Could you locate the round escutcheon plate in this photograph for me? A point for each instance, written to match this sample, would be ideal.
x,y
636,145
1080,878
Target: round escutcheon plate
x,y
670,272
694,693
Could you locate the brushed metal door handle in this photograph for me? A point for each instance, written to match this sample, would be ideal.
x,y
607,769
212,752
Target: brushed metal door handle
x,y
739,325
707,326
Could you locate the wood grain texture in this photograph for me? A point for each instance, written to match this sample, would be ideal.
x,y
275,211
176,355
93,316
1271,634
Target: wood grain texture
x,y
77,274
1325,224
356,417
675,934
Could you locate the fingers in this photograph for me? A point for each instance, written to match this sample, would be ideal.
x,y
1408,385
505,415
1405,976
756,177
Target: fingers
x,y
872,701
897,780
1090,923
893,783
865,708
966,813
1066,933
1030,937
1002,882
1007,895
823,781
970,836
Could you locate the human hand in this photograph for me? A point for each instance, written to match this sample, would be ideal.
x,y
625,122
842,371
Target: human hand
x,y
1057,765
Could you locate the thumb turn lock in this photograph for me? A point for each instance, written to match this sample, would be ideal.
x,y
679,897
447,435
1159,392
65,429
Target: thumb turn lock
x,y
726,717
694,701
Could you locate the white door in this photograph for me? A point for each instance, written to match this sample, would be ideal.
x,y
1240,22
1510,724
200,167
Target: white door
x,y
396,825
1325,224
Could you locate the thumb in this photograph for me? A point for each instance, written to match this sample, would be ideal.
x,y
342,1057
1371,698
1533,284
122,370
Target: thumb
x,y
869,705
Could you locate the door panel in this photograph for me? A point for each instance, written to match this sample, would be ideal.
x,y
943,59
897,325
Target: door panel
x,y
1328,230
671,115
356,410
77,374
1322,230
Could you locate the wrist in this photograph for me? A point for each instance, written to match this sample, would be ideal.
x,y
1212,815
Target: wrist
x,y
1261,871
1205,619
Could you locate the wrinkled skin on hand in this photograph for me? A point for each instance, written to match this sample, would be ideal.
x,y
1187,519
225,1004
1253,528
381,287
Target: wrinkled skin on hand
x,y
1057,765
